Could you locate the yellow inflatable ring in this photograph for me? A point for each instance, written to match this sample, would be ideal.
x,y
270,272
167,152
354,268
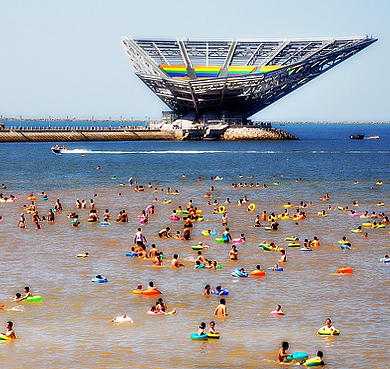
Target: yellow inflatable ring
x,y
251,207
221,209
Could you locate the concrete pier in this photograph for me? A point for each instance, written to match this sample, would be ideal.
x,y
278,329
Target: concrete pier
x,y
69,134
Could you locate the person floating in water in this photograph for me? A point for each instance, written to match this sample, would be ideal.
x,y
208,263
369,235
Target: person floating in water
x,y
10,332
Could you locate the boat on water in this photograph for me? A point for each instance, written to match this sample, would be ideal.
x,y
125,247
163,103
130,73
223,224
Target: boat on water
x,y
373,137
58,150
356,137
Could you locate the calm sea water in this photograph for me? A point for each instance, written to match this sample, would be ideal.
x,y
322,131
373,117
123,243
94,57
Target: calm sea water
x,y
72,328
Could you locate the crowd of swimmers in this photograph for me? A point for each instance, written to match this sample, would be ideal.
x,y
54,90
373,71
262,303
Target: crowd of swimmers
x,y
140,250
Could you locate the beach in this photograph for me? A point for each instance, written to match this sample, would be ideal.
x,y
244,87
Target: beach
x,y
71,327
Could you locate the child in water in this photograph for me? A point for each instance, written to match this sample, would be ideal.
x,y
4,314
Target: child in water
x,y
282,353
201,330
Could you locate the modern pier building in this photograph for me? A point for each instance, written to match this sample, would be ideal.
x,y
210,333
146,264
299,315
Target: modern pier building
x,y
228,81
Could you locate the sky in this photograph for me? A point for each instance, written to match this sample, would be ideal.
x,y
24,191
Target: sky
x,y
64,58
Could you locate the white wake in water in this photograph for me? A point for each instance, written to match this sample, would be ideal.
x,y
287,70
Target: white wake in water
x,y
85,151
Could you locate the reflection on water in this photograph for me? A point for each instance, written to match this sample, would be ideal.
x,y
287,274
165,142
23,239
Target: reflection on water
x,y
71,327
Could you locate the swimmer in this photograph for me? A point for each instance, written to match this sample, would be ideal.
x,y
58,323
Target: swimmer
x,y
164,233
187,232
233,253
315,242
283,257
207,290
278,310
328,327
201,330
175,262
224,219
221,309
212,328
257,221
83,255
365,235
258,268
153,251
226,235
27,293
139,237
200,257
282,353
122,319
152,288
10,332
319,357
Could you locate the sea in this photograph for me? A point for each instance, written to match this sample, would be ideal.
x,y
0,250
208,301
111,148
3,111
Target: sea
x,y
71,327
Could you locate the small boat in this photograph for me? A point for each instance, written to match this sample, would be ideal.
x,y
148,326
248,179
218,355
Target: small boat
x,y
58,150
356,137
373,137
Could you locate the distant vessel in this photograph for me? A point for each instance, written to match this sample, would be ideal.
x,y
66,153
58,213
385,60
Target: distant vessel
x,y
373,137
59,149
356,137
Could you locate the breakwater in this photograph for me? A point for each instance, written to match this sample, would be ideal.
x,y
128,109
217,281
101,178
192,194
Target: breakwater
x,y
69,134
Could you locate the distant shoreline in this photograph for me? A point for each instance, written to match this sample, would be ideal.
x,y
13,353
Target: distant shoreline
x,y
154,121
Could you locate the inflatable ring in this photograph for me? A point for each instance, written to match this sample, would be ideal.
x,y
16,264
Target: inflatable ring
x,y
221,209
81,256
33,298
197,337
345,271
175,219
213,335
356,230
313,362
167,201
6,338
219,239
323,332
132,254
99,280
345,247
146,292
294,244
251,207
297,356
258,273
237,273
275,270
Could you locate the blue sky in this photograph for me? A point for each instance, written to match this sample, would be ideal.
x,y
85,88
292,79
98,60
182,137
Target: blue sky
x,y
64,58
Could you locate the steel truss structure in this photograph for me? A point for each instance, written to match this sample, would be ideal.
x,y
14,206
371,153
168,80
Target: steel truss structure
x,y
236,76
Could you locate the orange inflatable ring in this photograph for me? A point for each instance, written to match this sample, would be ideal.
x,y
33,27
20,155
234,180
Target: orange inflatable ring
x,y
258,273
345,271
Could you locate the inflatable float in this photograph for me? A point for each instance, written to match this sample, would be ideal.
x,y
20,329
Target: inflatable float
x,y
99,280
33,298
297,356
258,273
146,292
237,273
3,337
323,332
313,362
198,337
213,335
346,270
